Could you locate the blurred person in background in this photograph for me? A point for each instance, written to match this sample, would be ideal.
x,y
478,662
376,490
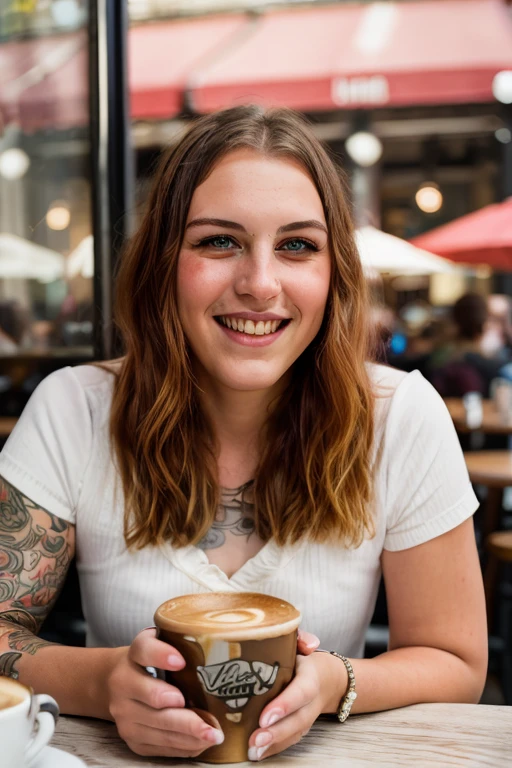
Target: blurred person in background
x,y
463,363
497,337
13,326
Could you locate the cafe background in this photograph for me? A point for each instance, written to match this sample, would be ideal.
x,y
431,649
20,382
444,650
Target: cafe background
x,y
413,96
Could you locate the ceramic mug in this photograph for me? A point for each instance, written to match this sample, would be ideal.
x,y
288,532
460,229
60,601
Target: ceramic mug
x,y
27,723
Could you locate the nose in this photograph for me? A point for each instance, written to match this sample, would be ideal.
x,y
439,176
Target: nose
x,y
257,274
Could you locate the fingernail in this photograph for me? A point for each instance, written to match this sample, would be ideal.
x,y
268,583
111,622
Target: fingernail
x,y
215,736
174,661
313,644
271,717
263,739
256,753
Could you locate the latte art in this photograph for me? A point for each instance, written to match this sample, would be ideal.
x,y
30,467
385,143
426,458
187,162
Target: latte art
x,y
253,616
228,616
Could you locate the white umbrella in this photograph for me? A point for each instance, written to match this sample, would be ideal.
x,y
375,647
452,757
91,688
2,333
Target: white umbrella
x,y
389,254
81,260
21,258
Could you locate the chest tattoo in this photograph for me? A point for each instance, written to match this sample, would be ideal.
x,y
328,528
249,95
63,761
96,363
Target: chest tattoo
x,y
235,516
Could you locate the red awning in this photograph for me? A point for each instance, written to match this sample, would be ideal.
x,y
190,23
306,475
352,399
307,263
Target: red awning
x,y
44,83
346,56
163,57
481,237
316,58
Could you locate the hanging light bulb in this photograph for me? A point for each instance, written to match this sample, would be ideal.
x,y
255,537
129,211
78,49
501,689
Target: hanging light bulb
x,y
502,86
364,148
429,197
58,215
14,163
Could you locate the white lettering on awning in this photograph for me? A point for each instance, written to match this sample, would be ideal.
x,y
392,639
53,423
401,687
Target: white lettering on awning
x,y
350,91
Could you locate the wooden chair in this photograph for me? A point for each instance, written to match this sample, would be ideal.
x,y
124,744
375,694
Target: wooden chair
x,y
499,547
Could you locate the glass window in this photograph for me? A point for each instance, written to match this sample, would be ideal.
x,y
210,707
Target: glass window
x,y
46,246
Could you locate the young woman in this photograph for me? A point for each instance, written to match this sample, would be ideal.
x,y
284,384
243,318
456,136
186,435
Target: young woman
x,y
243,443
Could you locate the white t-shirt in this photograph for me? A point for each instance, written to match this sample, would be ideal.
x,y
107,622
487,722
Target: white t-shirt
x,y
59,457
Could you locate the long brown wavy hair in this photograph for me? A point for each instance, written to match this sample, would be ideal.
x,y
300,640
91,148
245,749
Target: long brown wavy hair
x,y
314,475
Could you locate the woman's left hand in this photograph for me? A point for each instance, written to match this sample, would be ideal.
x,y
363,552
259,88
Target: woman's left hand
x,y
317,687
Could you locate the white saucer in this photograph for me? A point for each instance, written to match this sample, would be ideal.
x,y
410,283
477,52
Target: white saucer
x,y
56,758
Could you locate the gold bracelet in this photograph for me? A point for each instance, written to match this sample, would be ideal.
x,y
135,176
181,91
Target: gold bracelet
x,y
350,694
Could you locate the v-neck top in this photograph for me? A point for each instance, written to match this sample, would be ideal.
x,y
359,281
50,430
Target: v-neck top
x,y
59,456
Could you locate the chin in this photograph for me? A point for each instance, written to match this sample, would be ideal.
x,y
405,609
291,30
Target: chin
x,y
247,380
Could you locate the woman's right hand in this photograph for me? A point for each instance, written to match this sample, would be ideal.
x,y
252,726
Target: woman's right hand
x,y
150,714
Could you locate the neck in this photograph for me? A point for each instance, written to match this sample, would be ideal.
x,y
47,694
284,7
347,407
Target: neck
x,y
237,417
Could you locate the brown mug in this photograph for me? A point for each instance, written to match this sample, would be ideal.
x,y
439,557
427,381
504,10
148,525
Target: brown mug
x,y
240,651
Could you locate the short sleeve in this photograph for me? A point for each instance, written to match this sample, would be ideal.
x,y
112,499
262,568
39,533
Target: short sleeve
x,y
428,491
47,453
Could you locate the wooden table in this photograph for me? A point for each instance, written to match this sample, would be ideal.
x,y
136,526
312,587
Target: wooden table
x,y
422,735
492,422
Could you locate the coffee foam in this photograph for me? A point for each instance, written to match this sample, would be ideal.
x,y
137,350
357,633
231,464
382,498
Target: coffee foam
x,y
12,693
229,616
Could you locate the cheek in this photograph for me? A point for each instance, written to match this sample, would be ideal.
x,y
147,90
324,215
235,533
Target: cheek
x,y
198,282
311,293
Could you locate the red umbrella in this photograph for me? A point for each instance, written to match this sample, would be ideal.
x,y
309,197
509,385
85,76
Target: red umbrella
x,y
482,237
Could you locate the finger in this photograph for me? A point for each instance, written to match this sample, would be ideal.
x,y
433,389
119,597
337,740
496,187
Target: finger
x,y
142,734
183,721
307,642
150,750
147,651
300,692
283,734
154,693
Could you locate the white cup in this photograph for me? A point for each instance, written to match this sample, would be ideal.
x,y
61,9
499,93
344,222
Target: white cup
x,y
473,409
27,723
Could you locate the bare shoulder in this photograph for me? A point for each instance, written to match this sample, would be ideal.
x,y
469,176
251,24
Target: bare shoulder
x,y
36,548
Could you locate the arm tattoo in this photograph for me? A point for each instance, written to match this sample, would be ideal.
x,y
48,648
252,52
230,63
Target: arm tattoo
x,y
235,515
36,548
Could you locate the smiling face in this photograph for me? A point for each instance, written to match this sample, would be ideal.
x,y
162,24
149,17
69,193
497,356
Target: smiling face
x,y
253,271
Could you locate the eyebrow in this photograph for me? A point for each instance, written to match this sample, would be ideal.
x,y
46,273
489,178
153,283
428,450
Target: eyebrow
x,y
309,224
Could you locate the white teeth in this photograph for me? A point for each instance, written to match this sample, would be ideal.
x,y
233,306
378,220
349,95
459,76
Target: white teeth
x,y
261,328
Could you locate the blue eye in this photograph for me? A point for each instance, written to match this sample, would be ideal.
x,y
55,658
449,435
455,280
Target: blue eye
x,y
298,245
221,242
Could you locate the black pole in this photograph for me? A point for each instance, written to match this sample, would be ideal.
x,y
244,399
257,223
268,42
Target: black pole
x,y
112,164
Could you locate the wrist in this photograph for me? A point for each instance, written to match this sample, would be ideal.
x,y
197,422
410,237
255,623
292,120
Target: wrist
x,y
336,683
99,692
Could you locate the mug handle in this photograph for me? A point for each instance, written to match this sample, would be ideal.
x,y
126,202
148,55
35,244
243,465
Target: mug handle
x,y
47,712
